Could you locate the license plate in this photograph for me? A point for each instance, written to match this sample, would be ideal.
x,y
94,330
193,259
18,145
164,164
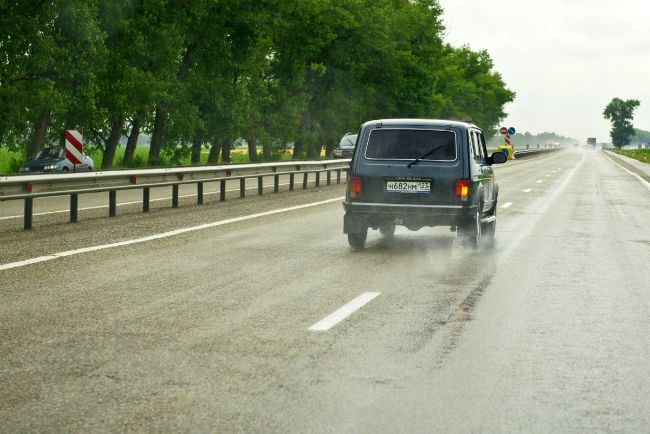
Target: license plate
x,y
421,187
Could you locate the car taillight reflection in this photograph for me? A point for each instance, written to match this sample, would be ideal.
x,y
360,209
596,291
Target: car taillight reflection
x,y
354,187
461,190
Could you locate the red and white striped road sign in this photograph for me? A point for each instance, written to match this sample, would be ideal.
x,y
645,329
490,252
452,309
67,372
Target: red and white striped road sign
x,y
74,146
507,137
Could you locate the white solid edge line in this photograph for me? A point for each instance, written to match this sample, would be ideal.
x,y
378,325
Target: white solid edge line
x,y
643,181
528,190
162,235
135,202
506,205
336,317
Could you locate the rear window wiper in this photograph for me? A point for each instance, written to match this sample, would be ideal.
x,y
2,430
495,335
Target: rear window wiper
x,y
426,154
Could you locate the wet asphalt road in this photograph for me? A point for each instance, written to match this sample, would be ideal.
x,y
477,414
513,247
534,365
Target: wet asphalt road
x,y
208,330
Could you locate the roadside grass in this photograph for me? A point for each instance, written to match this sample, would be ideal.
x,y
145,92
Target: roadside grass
x,y
642,155
10,161
167,158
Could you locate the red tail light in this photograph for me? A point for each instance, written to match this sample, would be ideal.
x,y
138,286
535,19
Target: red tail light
x,y
461,190
354,187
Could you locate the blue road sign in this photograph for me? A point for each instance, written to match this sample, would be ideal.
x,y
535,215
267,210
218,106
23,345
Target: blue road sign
x,y
511,130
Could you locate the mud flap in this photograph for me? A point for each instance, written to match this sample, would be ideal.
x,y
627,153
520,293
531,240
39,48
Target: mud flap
x,y
353,223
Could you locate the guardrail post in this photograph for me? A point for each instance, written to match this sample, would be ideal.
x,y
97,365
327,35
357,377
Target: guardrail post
x,y
29,209
260,185
338,176
291,178
242,187
145,199
276,183
317,179
199,193
74,206
329,177
222,190
112,202
175,196
304,180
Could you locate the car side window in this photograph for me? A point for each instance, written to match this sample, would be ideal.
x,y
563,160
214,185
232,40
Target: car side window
x,y
479,155
482,145
472,144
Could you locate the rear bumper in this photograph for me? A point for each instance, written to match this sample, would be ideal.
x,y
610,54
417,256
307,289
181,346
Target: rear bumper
x,y
364,214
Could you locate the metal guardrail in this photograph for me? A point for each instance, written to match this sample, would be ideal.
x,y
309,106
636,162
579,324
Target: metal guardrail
x,y
534,150
28,187
524,152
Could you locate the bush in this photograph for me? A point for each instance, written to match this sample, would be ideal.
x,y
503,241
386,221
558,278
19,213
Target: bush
x,y
10,161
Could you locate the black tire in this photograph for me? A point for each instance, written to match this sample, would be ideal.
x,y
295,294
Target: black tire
x,y
358,240
388,231
65,169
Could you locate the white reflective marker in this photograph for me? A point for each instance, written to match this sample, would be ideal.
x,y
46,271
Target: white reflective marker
x,y
506,205
162,234
336,317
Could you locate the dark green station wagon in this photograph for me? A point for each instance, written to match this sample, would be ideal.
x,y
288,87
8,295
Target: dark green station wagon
x,y
420,172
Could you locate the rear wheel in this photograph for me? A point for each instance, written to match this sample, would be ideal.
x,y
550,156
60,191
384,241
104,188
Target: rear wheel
x,y
358,240
471,232
489,229
388,231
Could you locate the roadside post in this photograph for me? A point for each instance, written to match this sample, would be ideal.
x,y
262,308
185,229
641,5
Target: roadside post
x,y
74,147
506,148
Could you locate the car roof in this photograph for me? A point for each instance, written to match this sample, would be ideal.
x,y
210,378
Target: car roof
x,y
418,122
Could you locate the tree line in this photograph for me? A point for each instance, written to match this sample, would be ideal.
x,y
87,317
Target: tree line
x,y
527,138
203,73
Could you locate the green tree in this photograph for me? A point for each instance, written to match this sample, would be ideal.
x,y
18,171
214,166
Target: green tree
x,y
48,78
621,113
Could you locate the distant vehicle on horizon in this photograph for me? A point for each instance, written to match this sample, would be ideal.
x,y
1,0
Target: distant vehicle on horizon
x,y
53,160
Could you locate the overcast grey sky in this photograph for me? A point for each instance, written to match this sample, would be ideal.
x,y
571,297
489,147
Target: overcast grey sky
x,y
566,59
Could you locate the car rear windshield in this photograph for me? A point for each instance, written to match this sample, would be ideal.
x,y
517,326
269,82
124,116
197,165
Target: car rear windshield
x,y
50,153
348,141
403,144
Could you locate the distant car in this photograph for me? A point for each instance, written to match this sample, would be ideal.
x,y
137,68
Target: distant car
x,y
53,160
417,173
345,149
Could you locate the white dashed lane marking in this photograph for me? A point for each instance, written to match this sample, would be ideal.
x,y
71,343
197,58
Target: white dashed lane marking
x,y
506,205
528,190
339,315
